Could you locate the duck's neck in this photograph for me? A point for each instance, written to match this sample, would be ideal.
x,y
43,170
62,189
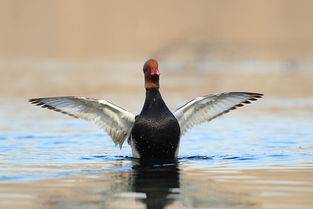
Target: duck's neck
x,y
152,93
153,102
152,84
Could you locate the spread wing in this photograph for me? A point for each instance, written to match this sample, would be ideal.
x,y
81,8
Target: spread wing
x,y
208,107
116,121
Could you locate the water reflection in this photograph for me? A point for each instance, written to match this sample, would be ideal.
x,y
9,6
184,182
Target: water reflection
x,y
158,181
251,164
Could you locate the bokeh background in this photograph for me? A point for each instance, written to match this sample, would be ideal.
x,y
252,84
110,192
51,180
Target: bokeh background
x,y
97,48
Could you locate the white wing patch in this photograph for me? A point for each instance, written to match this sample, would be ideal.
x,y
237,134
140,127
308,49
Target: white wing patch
x,y
116,121
206,108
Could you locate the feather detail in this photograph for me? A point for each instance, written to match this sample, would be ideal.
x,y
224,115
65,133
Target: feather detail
x,y
116,121
206,108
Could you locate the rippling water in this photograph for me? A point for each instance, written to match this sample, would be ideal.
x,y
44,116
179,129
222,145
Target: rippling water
x,y
258,158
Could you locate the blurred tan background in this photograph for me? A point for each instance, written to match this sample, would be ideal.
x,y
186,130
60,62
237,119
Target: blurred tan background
x,y
97,48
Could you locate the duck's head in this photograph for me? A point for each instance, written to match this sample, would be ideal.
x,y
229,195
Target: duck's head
x,y
152,74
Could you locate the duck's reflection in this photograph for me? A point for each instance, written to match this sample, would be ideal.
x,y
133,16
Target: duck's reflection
x,y
158,181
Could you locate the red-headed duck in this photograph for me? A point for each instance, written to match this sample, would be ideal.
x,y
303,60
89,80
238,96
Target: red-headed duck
x,y
154,133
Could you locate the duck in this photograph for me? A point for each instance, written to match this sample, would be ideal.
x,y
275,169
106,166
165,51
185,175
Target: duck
x,y
156,131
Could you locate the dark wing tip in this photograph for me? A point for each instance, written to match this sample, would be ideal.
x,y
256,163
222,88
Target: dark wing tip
x,y
256,95
40,103
37,101
253,97
33,101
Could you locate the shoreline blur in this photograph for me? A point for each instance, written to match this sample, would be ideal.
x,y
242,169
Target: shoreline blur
x,y
97,49
43,78
175,30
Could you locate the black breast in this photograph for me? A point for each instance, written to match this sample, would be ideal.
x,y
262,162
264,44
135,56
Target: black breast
x,y
156,132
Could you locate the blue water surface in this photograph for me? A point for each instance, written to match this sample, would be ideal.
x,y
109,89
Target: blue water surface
x,y
60,146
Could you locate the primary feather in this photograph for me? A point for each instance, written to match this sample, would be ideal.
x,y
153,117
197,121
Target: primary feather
x,y
116,121
206,108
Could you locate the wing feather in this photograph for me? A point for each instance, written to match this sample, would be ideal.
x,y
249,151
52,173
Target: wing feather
x,y
206,108
116,121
